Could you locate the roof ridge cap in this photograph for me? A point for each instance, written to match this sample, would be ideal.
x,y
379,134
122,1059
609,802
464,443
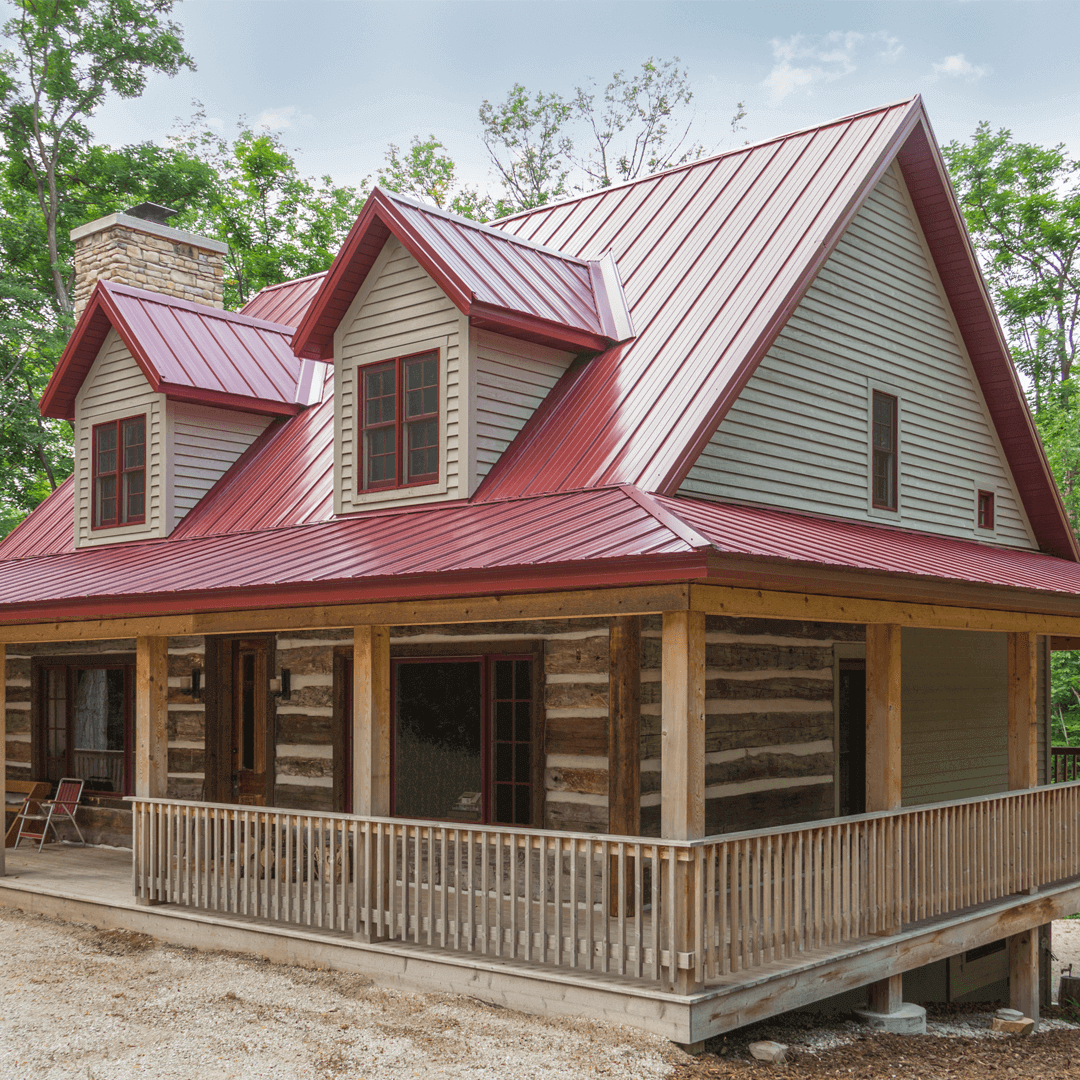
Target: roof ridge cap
x,y
711,158
483,226
188,305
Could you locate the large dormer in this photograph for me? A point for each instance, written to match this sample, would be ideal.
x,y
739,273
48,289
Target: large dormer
x,y
164,396
446,336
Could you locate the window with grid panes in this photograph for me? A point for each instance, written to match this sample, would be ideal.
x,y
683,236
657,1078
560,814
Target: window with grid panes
x,y
119,466
884,423
512,707
400,429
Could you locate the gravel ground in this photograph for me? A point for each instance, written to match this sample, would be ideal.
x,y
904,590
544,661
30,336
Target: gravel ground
x,y
112,1005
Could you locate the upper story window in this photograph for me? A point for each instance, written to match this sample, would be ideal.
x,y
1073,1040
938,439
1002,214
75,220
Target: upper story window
x,y
400,410
884,426
120,472
986,510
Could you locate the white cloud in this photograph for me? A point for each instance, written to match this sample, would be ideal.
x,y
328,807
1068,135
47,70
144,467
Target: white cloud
x,y
278,119
801,60
959,66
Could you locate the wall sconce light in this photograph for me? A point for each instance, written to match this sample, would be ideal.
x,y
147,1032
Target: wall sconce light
x,y
282,686
192,683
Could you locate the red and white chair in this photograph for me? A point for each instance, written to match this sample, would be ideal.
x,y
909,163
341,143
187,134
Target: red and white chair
x,y
64,805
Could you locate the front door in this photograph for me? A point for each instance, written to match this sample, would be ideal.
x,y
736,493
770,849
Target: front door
x,y
249,727
851,751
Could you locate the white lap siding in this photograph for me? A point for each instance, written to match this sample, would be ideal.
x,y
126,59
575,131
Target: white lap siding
x,y
798,435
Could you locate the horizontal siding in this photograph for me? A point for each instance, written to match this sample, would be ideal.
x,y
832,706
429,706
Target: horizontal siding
x,y
798,435
512,379
954,709
204,444
114,387
403,309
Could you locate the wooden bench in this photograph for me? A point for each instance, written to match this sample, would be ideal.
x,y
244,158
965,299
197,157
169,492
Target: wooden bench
x,y
19,793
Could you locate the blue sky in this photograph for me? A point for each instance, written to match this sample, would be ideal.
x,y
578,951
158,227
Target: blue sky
x,y
344,79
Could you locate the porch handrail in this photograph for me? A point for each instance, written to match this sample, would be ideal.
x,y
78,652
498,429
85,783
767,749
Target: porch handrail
x,y
1064,764
675,912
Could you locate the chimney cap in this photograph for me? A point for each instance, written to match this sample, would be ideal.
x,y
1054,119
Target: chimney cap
x,y
154,212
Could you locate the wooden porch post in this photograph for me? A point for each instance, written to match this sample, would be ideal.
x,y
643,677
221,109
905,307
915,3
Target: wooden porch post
x,y
883,778
682,777
152,717
624,725
3,749
1024,773
371,721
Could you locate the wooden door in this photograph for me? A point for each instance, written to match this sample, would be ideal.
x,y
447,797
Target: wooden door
x,y
249,722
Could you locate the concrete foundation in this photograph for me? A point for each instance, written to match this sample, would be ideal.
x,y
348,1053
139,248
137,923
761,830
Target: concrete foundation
x,y
907,1020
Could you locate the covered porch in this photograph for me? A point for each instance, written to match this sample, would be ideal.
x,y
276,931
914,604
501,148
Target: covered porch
x,y
685,933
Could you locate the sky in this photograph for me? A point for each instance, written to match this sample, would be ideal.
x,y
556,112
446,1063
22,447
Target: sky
x,y
343,80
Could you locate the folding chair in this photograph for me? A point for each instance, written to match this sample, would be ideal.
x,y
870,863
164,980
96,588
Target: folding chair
x,y
68,794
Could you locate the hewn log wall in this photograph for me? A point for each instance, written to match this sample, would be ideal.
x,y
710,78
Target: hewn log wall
x,y
769,753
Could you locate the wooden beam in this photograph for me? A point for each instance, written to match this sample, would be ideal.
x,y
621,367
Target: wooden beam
x,y
1023,712
579,604
883,791
682,765
682,776
624,725
371,721
757,603
152,717
3,747
1024,973
883,784
1064,644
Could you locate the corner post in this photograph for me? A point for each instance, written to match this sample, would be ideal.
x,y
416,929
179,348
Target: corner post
x,y
682,777
1023,673
371,767
3,749
152,717
624,745
885,997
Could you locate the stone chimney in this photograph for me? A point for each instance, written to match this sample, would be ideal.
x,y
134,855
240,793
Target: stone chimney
x,y
137,248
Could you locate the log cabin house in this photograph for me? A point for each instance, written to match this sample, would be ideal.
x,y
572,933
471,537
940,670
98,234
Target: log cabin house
x,y
639,607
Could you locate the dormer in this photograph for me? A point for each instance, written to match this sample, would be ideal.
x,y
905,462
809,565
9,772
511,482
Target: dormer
x,y
164,396
446,336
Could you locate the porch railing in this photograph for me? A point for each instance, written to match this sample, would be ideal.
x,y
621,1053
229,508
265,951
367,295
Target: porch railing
x,y
668,912
1064,764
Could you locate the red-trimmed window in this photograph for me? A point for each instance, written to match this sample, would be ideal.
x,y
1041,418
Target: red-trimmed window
x,y
120,472
400,412
986,510
884,450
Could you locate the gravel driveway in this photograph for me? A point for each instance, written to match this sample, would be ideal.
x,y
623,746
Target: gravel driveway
x,y
112,1005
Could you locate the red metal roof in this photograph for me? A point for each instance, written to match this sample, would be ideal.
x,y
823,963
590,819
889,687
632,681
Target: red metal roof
x,y
285,478
285,303
187,351
500,281
713,258
583,538
817,542
48,530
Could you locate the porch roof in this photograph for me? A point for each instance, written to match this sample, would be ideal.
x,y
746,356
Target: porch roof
x,y
577,540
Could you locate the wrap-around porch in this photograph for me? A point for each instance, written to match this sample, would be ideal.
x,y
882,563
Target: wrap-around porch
x,y
682,932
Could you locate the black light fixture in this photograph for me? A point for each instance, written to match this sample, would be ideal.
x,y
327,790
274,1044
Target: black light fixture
x,y
282,686
196,681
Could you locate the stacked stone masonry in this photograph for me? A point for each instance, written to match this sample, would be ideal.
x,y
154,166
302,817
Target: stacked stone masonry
x,y
145,261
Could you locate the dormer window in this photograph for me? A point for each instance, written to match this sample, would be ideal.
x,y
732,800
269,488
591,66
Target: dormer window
x,y
986,510
401,421
120,472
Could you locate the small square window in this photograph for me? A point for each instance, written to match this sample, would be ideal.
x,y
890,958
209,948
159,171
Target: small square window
x,y
986,510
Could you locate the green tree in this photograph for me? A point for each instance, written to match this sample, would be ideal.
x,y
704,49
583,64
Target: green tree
x,y
1022,207
66,57
427,172
278,224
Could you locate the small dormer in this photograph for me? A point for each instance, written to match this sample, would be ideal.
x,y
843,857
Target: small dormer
x,y
164,394
446,336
